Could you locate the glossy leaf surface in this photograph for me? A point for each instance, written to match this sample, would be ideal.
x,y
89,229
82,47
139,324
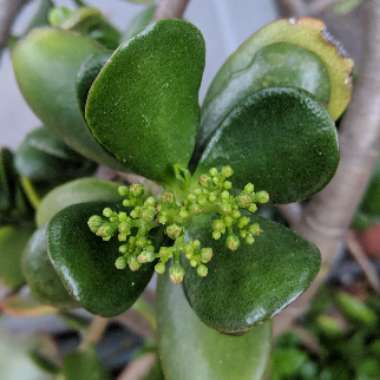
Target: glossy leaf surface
x,y
190,350
13,240
143,105
48,83
40,274
307,33
77,191
255,282
280,139
279,64
85,263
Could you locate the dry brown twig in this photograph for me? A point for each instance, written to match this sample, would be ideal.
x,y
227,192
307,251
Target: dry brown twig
x,y
326,219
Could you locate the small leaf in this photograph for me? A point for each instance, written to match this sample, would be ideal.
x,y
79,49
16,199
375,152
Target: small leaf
x,y
90,21
255,282
190,350
238,72
87,74
86,264
12,243
140,22
84,365
46,63
7,180
143,105
281,140
40,274
78,191
43,158
279,64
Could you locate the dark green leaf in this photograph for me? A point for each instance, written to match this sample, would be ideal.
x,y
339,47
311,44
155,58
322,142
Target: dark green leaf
x,y
78,191
190,350
143,105
85,263
40,274
276,65
7,180
86,75
140,22
13,240
281,140
46,64
82,365
254,283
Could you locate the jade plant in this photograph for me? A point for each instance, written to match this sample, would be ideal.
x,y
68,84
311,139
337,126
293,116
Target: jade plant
x,y
263,136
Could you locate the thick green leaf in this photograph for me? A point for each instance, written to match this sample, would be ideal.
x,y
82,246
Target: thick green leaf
x,y
280,139
78,191
190,350
46,63
140,22
47,141
13,240
87,74
42,160
276,65
254,283
40,274
143,105
91,22
84,365
7,181
85,263
237,73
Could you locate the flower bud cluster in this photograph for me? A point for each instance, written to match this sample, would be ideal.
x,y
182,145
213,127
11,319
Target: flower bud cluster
x,y
212,193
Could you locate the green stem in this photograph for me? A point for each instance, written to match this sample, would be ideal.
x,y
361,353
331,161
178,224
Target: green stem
x,y
30,192
146,311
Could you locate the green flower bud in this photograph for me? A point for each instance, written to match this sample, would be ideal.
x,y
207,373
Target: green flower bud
x,y
249,188
94,222
232,242
127,203
228,221
225,195
136,189
174,231
244,200
167,197
176,273
212,197
120,263
123,248
262,197
123,190
145,257
249,239
150,201
252,208
227,185
191,198
243,222
133,264
107,212
227,171
202,270
193,263
148,214
122,216
160,268
206,255
204,180
183,214
213,172
216,235
255,229
165,253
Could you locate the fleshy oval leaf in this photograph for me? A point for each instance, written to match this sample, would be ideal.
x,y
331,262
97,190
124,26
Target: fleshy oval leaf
x,y
78,191
86,264
236,75
143,105
254,283
40,275
190,350
13,240
46,63
280,139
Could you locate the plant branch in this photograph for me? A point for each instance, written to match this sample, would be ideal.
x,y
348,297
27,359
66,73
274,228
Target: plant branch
x,y
94,332
170,9
9,9
292,212
328,216
362,259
